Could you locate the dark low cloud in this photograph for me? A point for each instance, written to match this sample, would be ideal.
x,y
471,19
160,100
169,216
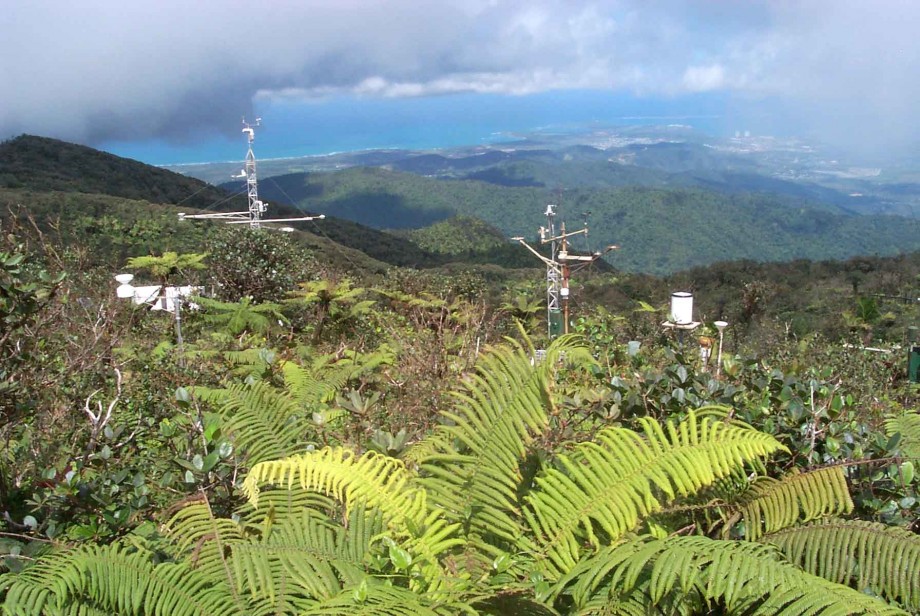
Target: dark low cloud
x,y
98,71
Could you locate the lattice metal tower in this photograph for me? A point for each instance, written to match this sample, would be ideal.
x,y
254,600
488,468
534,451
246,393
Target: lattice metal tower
x,y
256,207
554,286
558,269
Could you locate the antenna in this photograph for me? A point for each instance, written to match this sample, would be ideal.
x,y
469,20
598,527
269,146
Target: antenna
x,y
257,207
558,269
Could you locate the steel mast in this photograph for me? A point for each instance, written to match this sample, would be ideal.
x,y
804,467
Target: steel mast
x,y
257,207
557,269
554,275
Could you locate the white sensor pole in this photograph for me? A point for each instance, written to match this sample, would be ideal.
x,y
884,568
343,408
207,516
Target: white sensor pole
x,y
720,325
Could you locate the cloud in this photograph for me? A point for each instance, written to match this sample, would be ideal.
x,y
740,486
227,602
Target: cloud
x,y
704,78
101,70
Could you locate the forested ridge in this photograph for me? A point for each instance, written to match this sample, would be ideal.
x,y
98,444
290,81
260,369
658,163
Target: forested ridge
x,y
660,230
339,434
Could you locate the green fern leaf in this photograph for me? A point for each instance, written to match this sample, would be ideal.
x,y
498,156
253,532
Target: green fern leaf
x,y
377,482
309,389
606,487
264,423
112,580
862,554
773,504
743,577
307,558
908,426
382,600
203,539
278,505
473,467
241,316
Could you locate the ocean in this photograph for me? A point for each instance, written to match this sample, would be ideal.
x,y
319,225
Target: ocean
x,y
344,124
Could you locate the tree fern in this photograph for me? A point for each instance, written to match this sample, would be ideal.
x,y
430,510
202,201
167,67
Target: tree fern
x,y
908,426
377,599
606,487
308,388
306,558
746,578
264,423
241,316
269,423
772,504
115,581
278,565
866,555
372,480
278,505
473,469
319,379
203,540
251,364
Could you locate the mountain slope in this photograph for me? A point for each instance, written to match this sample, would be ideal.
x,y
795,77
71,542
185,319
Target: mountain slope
x,y
91,193
40,163
659,230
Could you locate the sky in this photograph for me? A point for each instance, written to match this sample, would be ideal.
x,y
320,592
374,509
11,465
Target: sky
x,y
168,81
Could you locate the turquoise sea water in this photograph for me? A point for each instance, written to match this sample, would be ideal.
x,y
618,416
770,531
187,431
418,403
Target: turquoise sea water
x,y
348,124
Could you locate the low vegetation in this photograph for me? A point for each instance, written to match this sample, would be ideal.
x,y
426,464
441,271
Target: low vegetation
x,y
335,445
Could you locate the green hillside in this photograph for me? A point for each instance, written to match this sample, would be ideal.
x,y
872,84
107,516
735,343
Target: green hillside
x,y
43,164
659,230
582,174
458,235
119,207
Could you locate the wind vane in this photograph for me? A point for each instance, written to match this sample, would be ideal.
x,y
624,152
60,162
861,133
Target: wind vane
x,y
558,269
257,207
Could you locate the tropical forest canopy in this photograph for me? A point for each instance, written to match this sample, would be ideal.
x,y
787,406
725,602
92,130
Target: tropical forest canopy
x,y
659,230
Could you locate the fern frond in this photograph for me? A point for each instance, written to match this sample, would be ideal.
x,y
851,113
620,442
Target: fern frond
x,y
241,316
377,481
382,600
772,504
908,425
308,389
361,363
473,468
477,479
112,580
326,376
507,601
633,605
308,558
264,424
278,505
743,577
253,362
418,452
862,554
609,485
203,538
248,356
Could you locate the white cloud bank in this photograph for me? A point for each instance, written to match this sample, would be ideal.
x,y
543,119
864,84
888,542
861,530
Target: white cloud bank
x,y
101,69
